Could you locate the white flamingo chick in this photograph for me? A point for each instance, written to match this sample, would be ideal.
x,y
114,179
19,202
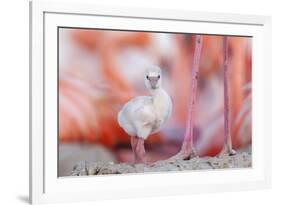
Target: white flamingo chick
x,y
144,115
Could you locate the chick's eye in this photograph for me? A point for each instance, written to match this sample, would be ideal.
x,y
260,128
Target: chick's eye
x,y
158,76
147,77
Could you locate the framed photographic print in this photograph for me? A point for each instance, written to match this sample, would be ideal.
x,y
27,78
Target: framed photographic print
x,y
129,102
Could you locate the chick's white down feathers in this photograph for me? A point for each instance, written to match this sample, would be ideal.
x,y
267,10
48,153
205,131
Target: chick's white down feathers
x,y
144,115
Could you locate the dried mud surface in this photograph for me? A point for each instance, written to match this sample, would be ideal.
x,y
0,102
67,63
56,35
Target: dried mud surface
x,y
240,160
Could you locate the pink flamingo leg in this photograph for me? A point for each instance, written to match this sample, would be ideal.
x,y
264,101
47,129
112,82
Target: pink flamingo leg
x,y
187,150
227,149
187,146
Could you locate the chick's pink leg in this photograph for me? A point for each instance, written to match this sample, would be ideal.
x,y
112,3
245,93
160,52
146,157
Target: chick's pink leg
x,y
134,142
140,151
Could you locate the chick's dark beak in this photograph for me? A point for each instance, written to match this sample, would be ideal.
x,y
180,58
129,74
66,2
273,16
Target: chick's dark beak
x,y
153,81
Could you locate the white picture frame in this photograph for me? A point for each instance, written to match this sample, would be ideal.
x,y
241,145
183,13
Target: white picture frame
x,y
46,187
